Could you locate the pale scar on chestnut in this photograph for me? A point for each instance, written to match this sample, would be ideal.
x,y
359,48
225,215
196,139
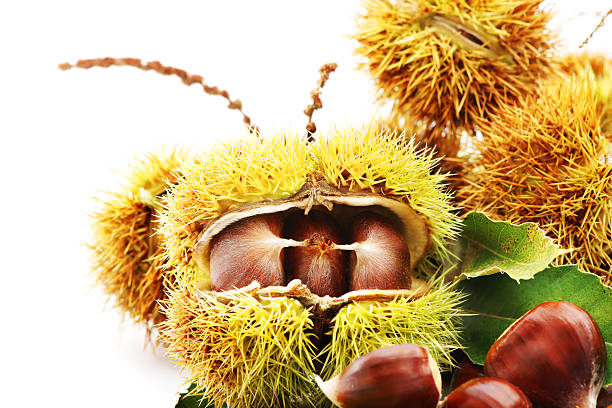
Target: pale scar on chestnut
x,y
334,242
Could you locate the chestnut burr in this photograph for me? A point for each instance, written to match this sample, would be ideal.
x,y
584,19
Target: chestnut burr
x,y
397,376
555,354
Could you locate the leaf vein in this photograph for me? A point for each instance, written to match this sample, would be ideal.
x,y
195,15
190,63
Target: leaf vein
x,y
507,258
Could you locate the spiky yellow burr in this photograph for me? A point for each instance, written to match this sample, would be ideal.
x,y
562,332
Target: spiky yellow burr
x,y
228,176
547,162
373,158
443,64
598,66
255,346
126,253
244,350
262,345
361,159
362,327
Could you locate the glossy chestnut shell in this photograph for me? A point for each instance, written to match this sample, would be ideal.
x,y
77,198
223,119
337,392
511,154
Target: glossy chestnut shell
x,y
399,376
555,354
486,392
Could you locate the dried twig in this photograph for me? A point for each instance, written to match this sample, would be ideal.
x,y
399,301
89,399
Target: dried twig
x,y
597,27
325,71
188,79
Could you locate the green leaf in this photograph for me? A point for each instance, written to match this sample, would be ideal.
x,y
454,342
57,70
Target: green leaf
x,y
486,247
192,399
497,301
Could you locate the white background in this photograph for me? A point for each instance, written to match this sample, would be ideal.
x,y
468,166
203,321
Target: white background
x,y
63,135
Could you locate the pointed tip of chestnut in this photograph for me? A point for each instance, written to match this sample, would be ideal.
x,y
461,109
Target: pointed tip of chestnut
x,y
329,388
390,377
555,353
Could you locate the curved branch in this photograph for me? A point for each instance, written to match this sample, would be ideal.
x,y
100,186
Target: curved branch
x,y
187,78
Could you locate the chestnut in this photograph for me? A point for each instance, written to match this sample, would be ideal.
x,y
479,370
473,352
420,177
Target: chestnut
x,y
604,400
276,248
555,354
486,392
246,251
399,376
380,258
465,371
317,263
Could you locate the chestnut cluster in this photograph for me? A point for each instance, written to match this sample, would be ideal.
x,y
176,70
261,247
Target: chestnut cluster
x,y
552,357
368,252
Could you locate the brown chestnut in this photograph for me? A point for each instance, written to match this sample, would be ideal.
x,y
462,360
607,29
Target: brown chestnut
x,y
397,376
555,354
248,250
380,258
604,400
465,371
486,392
316,263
